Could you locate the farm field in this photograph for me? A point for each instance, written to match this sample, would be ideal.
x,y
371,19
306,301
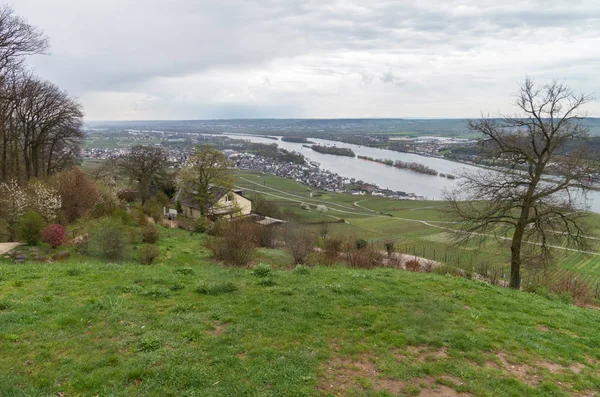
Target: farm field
x,y
417,227
188,326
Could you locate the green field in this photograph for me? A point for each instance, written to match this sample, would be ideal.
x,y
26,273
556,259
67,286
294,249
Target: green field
x,y
189,327
417,227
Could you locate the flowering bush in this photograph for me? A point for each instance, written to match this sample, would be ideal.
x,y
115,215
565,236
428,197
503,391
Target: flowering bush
x,y
13,202
44,200
53,235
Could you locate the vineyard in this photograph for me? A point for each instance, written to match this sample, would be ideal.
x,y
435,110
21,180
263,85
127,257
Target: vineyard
x,y
416,228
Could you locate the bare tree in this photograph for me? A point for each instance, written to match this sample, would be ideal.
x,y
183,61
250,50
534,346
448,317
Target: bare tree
x,y
144,165
18,39
534,195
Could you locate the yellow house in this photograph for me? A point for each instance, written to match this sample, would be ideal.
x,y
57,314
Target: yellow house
x,y
223,204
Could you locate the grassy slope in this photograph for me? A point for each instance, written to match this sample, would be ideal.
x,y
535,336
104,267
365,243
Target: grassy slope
x,y
87,328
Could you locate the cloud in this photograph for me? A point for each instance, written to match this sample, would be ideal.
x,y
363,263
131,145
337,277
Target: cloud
x,y
287,58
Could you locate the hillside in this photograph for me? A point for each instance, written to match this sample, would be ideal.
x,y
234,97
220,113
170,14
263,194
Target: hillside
x,y
189,327
416,227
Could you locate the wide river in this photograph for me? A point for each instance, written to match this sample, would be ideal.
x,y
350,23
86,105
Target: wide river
x,y
429,186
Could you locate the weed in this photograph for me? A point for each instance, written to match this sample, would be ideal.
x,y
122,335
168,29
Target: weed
x,y
74,272
301,269
149,343
267,282
157,293
216,288
184,271
261,270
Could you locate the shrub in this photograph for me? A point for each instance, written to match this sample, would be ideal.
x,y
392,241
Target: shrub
x,y
148,254
200,225
263,236
236,247
305,206
238,243
78,194
413,265
300,243
29,228
366,258
361,243
566,285
54,235
107,240
321,209
331,249
216,228
123,216
150,234
261,270
389,248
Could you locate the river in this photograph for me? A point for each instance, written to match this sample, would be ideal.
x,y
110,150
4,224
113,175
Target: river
x,y
429,186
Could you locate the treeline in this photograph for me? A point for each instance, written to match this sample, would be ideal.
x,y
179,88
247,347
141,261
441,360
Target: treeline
x,y
423,169
40,124
338,151
264,150
295,139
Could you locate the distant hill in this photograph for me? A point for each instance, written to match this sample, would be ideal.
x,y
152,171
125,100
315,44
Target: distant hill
x,y
311,127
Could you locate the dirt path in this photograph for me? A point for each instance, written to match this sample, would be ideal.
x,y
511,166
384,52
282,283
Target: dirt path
x,y
6,247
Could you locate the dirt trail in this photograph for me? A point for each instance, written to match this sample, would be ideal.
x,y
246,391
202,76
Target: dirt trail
x,y
6,247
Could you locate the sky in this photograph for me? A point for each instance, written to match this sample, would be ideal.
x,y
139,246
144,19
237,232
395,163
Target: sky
x,y
222,59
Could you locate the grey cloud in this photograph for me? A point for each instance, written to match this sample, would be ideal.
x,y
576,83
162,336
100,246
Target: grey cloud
x,y
125,45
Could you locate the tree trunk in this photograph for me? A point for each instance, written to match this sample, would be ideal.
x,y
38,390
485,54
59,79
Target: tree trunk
x,y
515,258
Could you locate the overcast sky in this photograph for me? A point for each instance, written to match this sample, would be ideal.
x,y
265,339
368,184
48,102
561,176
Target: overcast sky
x,y
203,59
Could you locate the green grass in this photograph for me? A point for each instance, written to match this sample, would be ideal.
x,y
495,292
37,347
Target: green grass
x,y
189,327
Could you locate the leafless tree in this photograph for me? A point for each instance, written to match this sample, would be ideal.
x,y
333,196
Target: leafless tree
x,y
144,165
18,39
533,195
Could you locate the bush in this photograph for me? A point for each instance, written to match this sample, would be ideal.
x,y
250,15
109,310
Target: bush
x,y
361,243
331,249
78,194
263,236
150,234
148,254
107,240
236,247
200,225
29,228
300,243
413,265
216,228
261,270
305,206
54,235
366,258
390,247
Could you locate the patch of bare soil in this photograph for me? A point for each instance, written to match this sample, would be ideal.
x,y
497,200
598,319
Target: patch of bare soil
x,y
542,328
219,329
525,373
577,368
424,353
345,376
